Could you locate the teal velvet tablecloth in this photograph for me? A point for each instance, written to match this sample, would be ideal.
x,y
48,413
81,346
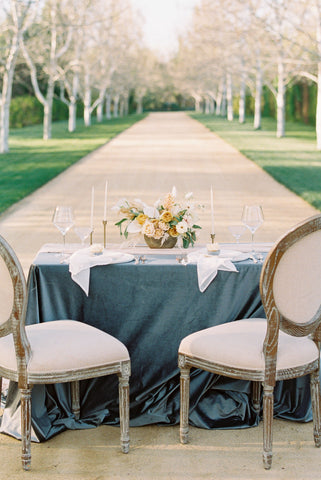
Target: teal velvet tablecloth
x,y
150,307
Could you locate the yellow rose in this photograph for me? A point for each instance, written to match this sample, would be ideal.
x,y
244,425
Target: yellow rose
x,y
141,218
166,216
173,232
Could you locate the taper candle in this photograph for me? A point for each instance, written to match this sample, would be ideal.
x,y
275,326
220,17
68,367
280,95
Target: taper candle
x,y
105,205
212,210
92,208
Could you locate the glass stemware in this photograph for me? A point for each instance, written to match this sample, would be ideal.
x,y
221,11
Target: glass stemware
x,y
83,233
237,231
252,217
63,220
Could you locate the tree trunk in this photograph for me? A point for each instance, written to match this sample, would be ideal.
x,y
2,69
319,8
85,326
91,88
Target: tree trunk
x,y
47,111
280,102
108,106
72,115
207,106
116,104
121,108
5,108
318,112
229,97
258,98
72,107
87,102
242,100
220,98
99,112
139,108
6,95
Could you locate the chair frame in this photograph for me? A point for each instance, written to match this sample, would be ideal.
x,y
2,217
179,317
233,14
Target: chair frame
x,y
269,376
15,324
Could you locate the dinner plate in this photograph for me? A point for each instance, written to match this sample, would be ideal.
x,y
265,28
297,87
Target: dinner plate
x,y
113,257
234,255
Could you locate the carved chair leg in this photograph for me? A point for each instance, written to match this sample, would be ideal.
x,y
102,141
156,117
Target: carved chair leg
x,y
256,396
184,399
315,401
26,427
123,387
75,402
267,426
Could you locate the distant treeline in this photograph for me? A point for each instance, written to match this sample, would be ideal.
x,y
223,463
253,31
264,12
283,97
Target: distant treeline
x,y
300,106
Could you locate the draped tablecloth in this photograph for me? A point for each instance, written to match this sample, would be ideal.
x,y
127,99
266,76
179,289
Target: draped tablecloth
x,y
150,307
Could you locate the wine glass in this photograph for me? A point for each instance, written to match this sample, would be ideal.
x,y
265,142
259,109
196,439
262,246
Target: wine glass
x,y
237,231
252,217
83,233
63,219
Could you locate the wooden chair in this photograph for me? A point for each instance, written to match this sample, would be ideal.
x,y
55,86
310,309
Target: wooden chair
x,y
56,352
286,345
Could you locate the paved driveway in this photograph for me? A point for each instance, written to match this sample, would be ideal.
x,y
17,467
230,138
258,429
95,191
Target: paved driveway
x,y
163,150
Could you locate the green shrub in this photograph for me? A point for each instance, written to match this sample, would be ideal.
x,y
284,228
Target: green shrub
x,y
27,110
24,111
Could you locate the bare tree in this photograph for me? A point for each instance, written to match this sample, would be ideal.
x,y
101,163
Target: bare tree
x,y
43,50
16,20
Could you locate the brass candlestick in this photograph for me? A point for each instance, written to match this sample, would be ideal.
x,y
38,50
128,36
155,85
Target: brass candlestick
x,y
213,237
105,234
91,237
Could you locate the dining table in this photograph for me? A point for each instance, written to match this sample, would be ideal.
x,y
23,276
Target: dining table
x,y
150,302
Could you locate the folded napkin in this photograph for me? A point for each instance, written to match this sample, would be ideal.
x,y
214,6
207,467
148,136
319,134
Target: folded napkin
x,y
81,261
208,265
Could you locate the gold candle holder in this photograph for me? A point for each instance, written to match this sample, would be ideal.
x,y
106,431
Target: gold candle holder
x,y
105,233
213,237
91,237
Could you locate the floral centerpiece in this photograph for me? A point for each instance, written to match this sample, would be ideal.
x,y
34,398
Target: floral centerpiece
x,y
161,224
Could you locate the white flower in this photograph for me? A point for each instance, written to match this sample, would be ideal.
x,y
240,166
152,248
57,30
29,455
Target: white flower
x,y
189,220
120,204
151,212
182,227
174,191
134,227
189,195
139,204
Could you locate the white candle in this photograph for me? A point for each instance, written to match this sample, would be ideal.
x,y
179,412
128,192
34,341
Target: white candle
x,y
92,208
212,209
105,205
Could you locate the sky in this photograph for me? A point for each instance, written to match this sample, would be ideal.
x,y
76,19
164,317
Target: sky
x,y
164,21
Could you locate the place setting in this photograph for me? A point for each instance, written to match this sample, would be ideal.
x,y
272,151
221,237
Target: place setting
x,y
151,234
211,258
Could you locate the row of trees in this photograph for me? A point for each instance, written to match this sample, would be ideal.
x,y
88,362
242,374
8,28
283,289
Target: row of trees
x,y
235,47
87,50
92,51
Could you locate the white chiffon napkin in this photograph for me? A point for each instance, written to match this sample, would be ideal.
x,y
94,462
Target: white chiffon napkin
x,y
81,261
208,265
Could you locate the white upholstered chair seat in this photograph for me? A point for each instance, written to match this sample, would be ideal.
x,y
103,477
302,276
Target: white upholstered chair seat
x,y
240,344
62,346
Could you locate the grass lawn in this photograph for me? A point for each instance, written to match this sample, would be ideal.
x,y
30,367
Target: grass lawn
x,y
32,162
293,160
